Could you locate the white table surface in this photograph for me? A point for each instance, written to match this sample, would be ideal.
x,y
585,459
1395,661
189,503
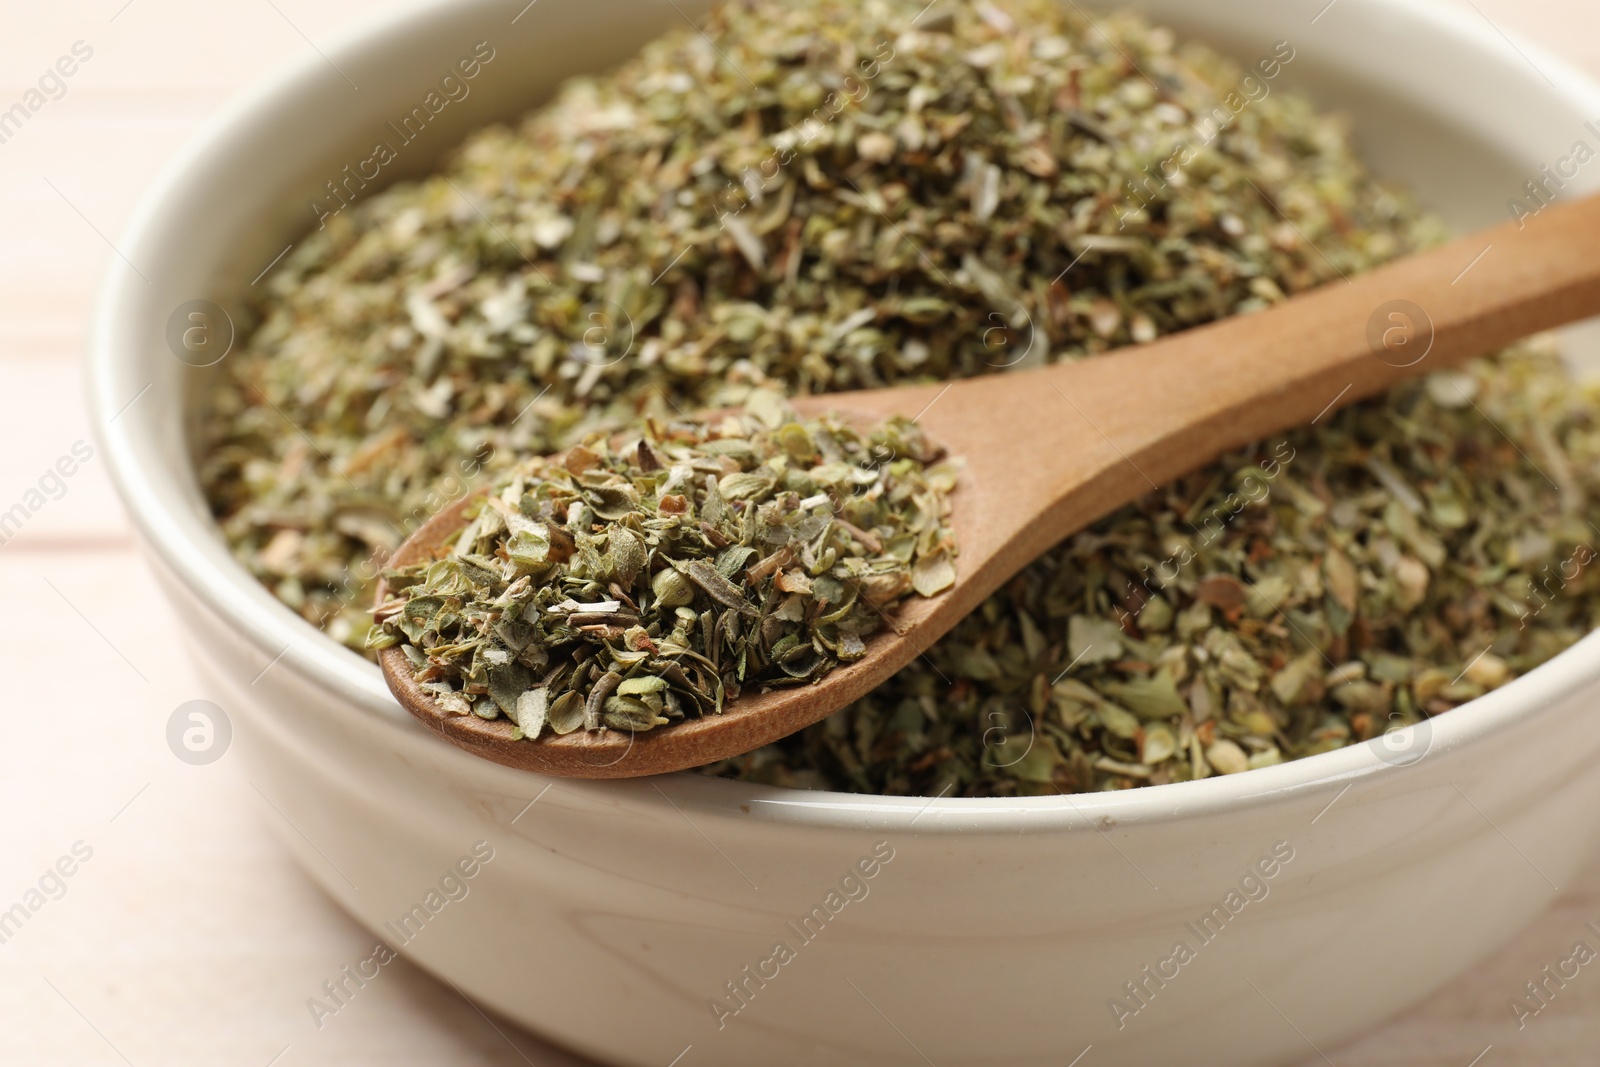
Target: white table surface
x,y
189,937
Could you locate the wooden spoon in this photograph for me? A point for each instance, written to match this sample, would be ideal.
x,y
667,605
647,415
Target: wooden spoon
x,y
1051,450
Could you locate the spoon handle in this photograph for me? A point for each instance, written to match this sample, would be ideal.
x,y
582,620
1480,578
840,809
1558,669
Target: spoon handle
x,y
1252,376
1050,450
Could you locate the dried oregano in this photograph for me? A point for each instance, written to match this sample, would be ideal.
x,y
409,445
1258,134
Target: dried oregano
x,y
623,251
1409,554
633,582
821,196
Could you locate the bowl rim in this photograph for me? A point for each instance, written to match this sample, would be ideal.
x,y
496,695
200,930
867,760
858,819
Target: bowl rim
x,y
187,545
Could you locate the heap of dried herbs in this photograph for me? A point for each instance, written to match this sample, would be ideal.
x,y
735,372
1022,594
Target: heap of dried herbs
x,y
1410,555
821,195
630,584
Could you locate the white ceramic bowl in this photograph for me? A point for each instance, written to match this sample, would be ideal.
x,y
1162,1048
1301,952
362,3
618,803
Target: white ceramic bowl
x,y
613,915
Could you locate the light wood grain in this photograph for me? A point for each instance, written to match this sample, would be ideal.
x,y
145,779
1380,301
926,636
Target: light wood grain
x,y
190,938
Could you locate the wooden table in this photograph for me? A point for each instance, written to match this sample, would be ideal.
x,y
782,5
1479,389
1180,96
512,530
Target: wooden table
x,y
187,936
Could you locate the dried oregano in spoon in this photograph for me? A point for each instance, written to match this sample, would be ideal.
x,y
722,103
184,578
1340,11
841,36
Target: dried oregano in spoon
x,y
637,581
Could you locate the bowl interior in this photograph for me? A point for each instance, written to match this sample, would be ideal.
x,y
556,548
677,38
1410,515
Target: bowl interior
x,y
1440,102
